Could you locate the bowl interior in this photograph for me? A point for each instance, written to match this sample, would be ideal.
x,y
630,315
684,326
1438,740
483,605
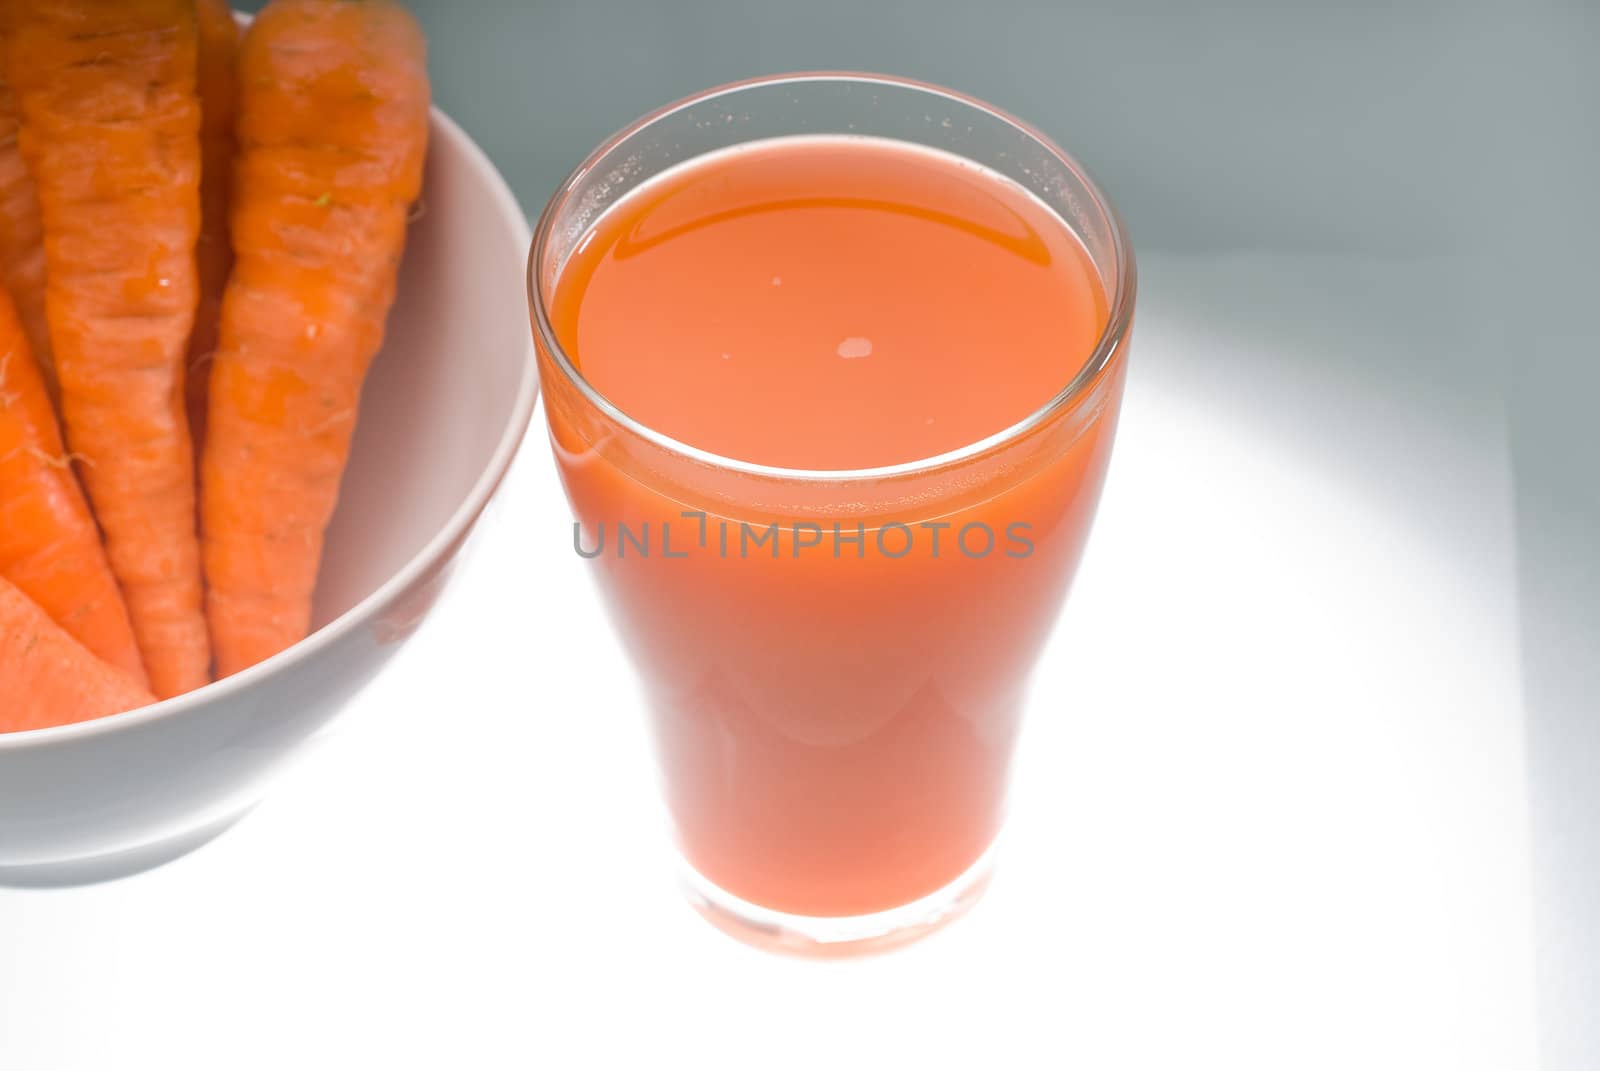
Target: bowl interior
x,y
447,384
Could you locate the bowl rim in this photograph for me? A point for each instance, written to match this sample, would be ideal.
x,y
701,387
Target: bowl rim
x,y
441,128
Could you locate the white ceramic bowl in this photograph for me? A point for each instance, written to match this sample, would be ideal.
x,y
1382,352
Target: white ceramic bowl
x,y
443,411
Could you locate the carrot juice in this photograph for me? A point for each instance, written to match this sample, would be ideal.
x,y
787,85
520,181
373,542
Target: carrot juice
x,y
825,409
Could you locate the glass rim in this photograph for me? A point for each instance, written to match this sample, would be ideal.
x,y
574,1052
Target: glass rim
x,y
1111,339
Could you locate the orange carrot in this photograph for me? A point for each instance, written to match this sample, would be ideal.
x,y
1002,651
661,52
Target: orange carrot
x,y
219,51
47,677
110,130
21,237
333,126
49,546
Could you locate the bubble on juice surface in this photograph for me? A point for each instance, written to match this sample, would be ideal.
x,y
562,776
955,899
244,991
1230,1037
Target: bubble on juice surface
x,y
777,280
854,347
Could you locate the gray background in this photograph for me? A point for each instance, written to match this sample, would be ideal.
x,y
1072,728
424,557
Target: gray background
x,y
1235,125
1457,128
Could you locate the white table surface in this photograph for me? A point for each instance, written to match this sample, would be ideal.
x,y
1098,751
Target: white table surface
x,y
1269,812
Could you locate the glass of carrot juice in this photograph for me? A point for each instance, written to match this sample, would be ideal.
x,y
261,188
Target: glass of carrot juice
x,y
832,366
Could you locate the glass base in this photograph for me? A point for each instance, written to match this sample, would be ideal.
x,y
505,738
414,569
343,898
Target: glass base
x,y
827,936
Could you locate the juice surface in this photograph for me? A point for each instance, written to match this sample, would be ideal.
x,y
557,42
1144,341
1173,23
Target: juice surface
x,y
829,303
834,723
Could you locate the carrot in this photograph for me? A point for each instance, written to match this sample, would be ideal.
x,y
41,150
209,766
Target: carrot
x,y
332,129
110,130
219,49
47,677
49,546
21,236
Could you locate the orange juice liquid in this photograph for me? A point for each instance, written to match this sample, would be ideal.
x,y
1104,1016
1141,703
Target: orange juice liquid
x,y
834,718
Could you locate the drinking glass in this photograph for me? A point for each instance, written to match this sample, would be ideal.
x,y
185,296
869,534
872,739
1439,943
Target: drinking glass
x,y
834,730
